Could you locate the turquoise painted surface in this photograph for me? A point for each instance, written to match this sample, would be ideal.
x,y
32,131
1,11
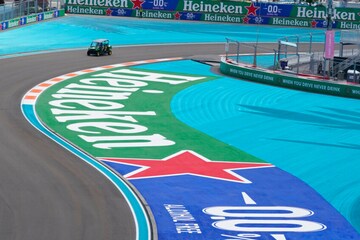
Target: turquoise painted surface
x,y
312,136
78,32
264,61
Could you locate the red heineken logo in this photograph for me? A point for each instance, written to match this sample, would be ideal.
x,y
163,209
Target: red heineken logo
x,y
177,15
252,9
137,3
313,23
187,162
108,12
246,19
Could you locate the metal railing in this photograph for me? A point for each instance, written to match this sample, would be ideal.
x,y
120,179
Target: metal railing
x,y
14,9
299,55
347,63
239,52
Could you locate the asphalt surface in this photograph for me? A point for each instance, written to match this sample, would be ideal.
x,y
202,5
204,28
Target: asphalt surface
x,y
45,191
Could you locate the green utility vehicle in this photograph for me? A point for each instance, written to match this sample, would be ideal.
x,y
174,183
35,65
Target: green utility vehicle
x,y
100,47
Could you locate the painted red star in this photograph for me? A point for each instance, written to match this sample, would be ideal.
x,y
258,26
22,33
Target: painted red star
x,y
137,4
246,20
187,162
108,12
252,9
313,23
177,15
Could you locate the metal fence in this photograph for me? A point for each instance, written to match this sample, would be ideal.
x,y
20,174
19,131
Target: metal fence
x,y
259,56
18,8
302,55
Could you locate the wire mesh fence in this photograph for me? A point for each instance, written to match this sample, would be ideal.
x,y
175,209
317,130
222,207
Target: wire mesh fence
x,y
302,55
260,56
18,8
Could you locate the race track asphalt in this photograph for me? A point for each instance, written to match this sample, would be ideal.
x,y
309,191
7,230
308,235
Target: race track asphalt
x,y
45,191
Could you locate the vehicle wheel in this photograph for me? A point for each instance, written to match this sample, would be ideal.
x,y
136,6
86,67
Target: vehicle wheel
x,y
88,53
109,52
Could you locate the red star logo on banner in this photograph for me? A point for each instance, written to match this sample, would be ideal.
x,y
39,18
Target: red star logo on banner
x,y
246,20
187,162
313,23
137,3
108,12
177,15
252,9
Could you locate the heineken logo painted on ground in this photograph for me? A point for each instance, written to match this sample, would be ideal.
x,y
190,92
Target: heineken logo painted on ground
x,y
196,187
186,162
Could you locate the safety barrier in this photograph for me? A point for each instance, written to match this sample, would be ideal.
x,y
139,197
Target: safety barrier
x,y
299,82
32,18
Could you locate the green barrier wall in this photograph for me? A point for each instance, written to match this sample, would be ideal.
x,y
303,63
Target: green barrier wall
x,y
284,80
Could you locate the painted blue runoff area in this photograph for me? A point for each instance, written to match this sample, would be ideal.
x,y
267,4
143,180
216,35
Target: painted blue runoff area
x,y
308,135
312,136
78,32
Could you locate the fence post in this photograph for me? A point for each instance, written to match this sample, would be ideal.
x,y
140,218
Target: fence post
x,y
226,48
279,50
11,13
20,8
255,54
4,12
274,59
238,51
311,67
298,55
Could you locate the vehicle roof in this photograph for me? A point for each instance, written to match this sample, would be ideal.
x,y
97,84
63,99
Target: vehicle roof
x,y
100,40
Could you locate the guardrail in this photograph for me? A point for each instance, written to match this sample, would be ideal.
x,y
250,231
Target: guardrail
x,y
282,79
32,18
20,8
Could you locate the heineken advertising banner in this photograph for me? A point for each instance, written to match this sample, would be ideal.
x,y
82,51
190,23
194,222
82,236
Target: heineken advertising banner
x,y
215,11
36,17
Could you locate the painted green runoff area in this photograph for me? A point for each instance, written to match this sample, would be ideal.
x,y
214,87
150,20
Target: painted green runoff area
x,y
283,80
135,113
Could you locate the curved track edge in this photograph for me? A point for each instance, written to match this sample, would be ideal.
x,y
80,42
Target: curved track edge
x,y
145,223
